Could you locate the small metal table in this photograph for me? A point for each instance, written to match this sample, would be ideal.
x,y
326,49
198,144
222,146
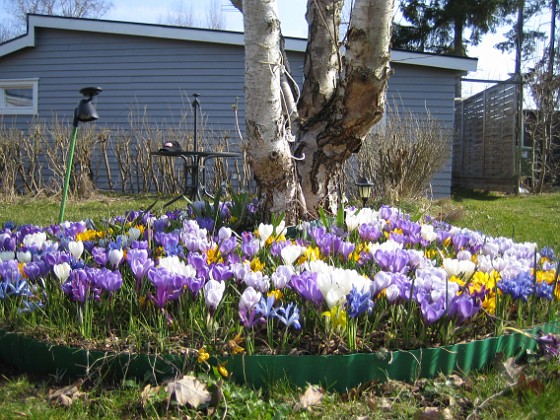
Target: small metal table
x,y
195,166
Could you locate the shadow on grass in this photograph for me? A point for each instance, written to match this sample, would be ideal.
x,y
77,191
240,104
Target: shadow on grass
x,y
460,194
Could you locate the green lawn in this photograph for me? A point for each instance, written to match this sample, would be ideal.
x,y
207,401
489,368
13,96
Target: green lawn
x,y
528,391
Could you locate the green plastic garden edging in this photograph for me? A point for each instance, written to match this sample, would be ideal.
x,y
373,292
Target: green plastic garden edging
x,y
336,372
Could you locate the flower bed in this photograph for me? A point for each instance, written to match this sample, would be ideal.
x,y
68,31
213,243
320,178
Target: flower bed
x,y
187,284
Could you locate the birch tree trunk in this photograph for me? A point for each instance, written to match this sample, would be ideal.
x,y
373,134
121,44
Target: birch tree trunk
x,y
297,155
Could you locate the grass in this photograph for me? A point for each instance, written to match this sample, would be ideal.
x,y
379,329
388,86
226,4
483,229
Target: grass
x,y
527,391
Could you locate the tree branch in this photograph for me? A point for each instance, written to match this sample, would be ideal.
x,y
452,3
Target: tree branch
x,y
321,67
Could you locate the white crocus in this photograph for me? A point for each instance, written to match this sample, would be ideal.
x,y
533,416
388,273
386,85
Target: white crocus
x,y
459,268
428,233
7,255
291,253
76,248
133,234
24,256
213,293
224,234
115,256
62,271
249,299
354,218
265,232
36,239
280,228
174,265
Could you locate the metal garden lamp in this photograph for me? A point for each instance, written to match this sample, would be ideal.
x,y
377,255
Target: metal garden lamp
x,y
84,112
365,187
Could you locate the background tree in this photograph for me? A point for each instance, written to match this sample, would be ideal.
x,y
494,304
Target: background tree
x,y
439,25
297,143
19,9
543,124
181,15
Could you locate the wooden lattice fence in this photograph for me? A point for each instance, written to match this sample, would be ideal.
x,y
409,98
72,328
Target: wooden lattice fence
x,y
484,144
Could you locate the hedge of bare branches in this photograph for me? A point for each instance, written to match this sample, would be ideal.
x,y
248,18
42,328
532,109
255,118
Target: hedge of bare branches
x,y
404,153
34,160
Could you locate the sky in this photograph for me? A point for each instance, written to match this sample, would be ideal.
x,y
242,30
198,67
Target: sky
x,y
492,64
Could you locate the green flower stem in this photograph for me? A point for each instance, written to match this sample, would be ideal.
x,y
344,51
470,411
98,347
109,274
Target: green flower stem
x,y
68,172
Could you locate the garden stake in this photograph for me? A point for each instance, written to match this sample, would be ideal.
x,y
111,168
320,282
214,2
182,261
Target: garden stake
x,y
84,112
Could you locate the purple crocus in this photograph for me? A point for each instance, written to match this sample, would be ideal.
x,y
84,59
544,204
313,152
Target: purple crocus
x,y
369,232
432,311
220,272
169,286
99,255
464,307
306,285
105,279
139,263
250,245
392,260
78,286
35,270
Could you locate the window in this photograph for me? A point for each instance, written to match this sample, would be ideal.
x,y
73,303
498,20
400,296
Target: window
x,y
18,96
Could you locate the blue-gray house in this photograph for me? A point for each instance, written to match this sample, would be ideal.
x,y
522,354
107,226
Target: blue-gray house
x,y
151,71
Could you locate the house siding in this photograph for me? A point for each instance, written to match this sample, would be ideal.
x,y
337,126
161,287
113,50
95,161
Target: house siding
x,y
159,76
420,89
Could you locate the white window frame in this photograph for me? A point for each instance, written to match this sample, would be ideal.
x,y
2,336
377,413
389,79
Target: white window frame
x,y
32,83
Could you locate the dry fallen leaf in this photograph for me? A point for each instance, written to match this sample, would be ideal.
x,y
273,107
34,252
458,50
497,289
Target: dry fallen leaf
x,y
147,394
511,370
429,413
313,395
66,396
189,390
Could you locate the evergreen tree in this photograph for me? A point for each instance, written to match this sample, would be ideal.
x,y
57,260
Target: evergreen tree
x,y
440,25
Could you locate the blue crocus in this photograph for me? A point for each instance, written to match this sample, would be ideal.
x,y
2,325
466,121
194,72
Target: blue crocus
x,y
519,287
289,316
358,302
265,306
544,290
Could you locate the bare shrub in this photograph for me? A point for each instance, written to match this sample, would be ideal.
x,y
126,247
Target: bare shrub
x,y
403,157
9,163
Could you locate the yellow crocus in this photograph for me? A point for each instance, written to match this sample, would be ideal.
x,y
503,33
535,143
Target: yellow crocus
x,y
309,254
277,293
257,265
213,255
223,371
203,355
336,316
546,276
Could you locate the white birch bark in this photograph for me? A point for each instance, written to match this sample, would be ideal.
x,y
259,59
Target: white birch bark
x,y
342,98
268,135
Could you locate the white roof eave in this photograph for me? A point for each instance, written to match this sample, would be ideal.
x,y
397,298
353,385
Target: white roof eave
x,y
205,35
